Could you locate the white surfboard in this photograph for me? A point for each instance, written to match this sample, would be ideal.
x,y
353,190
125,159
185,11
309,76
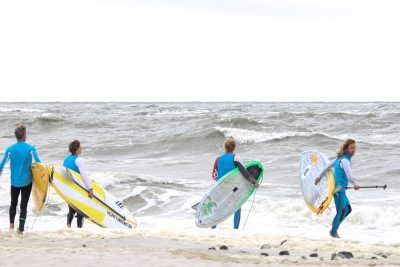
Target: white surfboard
x,y
227,196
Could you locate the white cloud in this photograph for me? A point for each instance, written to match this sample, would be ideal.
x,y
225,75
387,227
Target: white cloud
x,y
199,50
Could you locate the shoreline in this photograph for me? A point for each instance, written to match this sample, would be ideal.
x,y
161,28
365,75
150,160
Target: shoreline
x,y
148,248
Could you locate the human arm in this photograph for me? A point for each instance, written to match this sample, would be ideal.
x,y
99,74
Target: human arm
x,y
35,155
214,173
324,171
4,161
345,164
82,170
246,174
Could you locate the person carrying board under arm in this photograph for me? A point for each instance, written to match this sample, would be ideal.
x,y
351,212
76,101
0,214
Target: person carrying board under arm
x,y
75,162
224,164
20,155
343,175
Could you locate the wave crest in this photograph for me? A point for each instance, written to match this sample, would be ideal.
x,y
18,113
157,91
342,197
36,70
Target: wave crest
x,y
49,117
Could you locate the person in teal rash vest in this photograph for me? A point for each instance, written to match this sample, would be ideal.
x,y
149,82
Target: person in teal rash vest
x,y
75,162
343,175
225,163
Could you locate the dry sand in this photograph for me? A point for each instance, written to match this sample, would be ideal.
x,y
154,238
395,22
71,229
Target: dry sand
x,y
142,248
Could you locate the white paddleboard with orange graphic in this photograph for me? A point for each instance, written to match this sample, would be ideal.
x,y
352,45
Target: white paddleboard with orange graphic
x,y
318,197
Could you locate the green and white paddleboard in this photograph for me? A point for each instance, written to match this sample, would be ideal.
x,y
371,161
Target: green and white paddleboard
x,y
227,196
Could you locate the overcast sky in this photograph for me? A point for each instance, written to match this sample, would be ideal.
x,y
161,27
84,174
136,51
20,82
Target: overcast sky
x,y
193,50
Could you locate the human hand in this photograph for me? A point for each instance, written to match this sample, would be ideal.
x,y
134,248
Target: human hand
x,y
91,193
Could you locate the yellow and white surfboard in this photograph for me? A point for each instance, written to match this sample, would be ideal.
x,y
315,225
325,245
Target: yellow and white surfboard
x,y
103,208
40,185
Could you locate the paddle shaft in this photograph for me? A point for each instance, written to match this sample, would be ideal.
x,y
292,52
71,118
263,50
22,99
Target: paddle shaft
x,y
371,186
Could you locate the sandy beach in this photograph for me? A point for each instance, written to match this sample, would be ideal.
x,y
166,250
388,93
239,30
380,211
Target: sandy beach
x,y
143,248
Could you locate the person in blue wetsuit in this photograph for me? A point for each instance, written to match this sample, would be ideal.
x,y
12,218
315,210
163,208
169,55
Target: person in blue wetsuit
x,y
20,156
343,175
224,164
75,162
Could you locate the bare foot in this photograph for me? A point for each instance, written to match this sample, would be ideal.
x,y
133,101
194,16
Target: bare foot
x,y
335,235
11,227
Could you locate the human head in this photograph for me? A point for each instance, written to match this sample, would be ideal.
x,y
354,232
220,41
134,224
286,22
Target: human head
x,y
348,147
75,147
20,133
229,145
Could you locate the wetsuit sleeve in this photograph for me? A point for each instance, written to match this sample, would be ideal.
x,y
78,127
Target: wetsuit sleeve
x,y
326,169
244,172
35,155
82,170
345,164
214,173
4,161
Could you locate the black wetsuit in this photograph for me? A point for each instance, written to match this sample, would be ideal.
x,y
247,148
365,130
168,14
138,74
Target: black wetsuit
x,y
25,192
71,215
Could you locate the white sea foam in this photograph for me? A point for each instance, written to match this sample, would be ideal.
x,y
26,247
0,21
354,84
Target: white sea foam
x,y
49,117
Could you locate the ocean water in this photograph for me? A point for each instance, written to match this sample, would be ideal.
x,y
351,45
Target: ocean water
x,y
157,157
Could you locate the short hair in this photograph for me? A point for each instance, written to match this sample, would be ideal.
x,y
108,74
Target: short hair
x,y
230,144
20,132
74,146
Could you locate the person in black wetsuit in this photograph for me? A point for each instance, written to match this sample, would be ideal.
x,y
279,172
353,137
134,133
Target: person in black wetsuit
x,y
20,155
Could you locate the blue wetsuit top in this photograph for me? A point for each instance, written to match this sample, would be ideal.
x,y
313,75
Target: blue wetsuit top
x,y
225,164
69,162
20,156
341,178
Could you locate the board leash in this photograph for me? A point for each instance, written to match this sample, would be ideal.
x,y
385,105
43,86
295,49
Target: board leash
x,y
252,203
43,210
251,207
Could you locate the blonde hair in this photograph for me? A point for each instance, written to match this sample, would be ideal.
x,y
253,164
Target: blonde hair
x,y
230,144
343,148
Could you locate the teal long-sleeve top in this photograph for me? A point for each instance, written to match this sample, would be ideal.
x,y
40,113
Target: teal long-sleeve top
x,y
20,156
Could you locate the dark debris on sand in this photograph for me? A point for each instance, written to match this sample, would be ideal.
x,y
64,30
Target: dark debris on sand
x,y
342,255
284,253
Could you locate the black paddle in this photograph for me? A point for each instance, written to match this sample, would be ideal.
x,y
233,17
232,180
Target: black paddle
x,y
371,186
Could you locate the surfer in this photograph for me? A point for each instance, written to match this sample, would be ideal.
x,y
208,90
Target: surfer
x,y
343,175
75,162
20,156
224,164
